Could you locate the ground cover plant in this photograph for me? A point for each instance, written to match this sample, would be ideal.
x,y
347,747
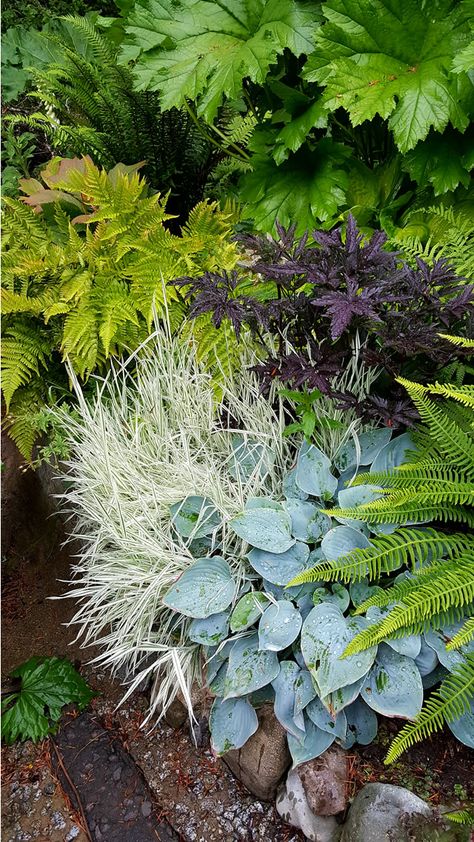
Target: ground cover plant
x,y
86,262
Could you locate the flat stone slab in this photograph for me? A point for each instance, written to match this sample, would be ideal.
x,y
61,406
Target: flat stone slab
x,y
106,786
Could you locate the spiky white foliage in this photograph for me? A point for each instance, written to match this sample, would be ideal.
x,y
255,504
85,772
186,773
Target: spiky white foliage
x,y
145,441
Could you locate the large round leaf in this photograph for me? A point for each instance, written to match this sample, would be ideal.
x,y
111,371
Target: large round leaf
x,y
231,723
409,645
449,658
463,727
336,725
427,659
361,722
313,473
356,495
265,527
370,444
325,635
343,697
279,626
210,631
205,588
249,667
195,517
393,454
308,522
304,690
342,540
284,705
393,686
248,609
314,743
280,568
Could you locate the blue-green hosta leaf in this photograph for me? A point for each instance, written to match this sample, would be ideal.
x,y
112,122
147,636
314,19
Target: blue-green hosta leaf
x,y
284,705
304,690
313,474
342,540
356,495
370,444
340,699
280,592
217,685
279,626
427,659
249,667
314,743
361,722
280,568
322,718
216,658
324,637
248,610
205,588
202,51
360,591
195,517
266,528
250,458
393,686
393,454
231,723
409,645
308,522
401,71
290,488
463,727
438,640
432,678
210,631
338,595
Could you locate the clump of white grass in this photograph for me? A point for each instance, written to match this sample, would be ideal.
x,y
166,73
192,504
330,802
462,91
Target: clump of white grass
x,y
145,441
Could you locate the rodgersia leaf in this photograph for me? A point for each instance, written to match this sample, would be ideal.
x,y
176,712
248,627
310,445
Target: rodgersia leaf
x,y
203,50
377,57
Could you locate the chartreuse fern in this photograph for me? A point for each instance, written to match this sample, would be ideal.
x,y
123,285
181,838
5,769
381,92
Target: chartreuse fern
x,y
87,263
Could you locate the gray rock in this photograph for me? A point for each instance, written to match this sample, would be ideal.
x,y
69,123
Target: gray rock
x,y
261,763
386,813
324,782
293,807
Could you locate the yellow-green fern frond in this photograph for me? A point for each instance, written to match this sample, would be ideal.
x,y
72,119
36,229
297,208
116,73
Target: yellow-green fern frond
x,y
463,636
24,350
461,341
449,703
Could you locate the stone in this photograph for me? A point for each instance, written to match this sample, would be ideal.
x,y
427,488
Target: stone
x,y
263,760
387,813
177,713
292,805
324,782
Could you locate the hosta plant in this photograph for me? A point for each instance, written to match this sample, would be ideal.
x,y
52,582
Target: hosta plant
x,y
265,642
87,257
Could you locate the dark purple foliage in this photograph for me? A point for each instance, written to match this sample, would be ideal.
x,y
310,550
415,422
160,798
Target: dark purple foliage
x,y
325,292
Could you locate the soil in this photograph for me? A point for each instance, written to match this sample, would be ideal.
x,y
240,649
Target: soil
x,y
185,784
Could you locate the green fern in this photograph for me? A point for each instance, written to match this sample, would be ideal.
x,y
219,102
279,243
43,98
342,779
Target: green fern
x,y
449,234
448,703
88,287
461,341
463,636
460,817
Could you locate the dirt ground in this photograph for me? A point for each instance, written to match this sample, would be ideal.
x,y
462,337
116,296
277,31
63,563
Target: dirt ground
x,y
190,788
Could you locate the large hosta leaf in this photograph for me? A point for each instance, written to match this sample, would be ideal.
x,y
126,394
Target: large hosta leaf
x,y
304,690
313,472
393,454
369,444
342,540
324,637
280,568
362,723
195,517
393,686
314,743
248,609
284,706
393,59
210,630
249,458
322,718
205,588
267,527
249,667
463,727
279,626
308,522
203,50
357,495
231,723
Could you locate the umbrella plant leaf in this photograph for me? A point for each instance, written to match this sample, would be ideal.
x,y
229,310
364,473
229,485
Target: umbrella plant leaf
x,y
313,473
325,635
393,686
280,568
248,609
205,588
209,631
249,667
231,723
266,527
279,626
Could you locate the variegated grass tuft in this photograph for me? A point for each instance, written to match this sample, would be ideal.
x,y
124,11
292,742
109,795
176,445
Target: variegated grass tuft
x,y
145,441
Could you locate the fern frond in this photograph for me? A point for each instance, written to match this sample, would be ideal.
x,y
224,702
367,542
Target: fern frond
x,y
452,700
460,341
24,350
460,817
463,636
410,547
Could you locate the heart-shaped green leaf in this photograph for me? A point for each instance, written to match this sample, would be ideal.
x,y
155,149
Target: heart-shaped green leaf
x,y
205,588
